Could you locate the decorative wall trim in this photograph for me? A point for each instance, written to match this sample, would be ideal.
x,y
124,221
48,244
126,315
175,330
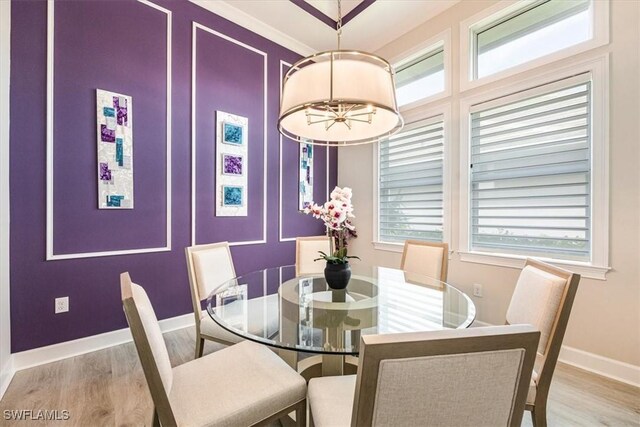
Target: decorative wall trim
x,y
6,372
227,11
50,256
600,365
51,353
327,163
194,31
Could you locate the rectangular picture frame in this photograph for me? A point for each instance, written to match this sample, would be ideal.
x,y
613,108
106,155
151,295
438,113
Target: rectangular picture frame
x,y
114,121
233,133
305,176
233,164
233,196
231,160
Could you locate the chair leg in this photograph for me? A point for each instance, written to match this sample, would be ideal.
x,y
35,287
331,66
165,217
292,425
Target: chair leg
x,y
539,416
311,424
301,414
199,347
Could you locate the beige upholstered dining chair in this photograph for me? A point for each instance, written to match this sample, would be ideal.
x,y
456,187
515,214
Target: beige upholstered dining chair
x,y
245,384
543,297
427,258
307,250
469,377
209,266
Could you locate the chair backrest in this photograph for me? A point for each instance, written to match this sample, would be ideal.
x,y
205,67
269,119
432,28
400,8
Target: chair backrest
x,y
209,267
476,376
543,297
307,250
150,346
428,258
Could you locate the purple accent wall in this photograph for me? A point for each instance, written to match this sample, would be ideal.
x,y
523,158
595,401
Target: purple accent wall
x,y
85,46
236,87
109,55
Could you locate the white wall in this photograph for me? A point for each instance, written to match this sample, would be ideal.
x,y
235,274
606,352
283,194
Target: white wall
x,y
606,315
5,329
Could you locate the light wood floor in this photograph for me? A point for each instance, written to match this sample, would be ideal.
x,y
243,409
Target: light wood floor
x,y
107,388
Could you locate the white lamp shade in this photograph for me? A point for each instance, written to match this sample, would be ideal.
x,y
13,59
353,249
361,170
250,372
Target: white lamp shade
x,y
353,82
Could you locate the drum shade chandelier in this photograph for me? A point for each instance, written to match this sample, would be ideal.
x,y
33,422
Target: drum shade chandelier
x,y
339,98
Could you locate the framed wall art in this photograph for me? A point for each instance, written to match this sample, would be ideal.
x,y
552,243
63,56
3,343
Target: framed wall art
x,y
305,176
231,164
115,150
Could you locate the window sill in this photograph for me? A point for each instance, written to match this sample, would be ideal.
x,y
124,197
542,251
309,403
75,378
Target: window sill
x,y
389,247
394,247
515,261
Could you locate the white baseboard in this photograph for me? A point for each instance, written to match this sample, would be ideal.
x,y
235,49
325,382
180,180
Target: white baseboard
x,y
6,375
610,368
604,366
52,353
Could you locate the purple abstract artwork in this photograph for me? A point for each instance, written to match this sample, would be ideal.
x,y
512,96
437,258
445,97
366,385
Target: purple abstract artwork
x,y
115,150
305,177
232,165
105,172
120,105
106,134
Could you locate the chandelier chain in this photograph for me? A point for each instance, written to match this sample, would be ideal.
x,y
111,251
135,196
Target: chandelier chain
x,y
339,23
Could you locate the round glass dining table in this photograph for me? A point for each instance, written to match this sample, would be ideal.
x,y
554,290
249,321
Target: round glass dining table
x,y
298,313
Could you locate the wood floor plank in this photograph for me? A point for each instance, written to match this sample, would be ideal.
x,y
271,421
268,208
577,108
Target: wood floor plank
x,y
107,388
87,383
129,391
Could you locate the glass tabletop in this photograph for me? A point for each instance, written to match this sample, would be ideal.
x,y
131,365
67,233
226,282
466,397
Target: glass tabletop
x,y
278,308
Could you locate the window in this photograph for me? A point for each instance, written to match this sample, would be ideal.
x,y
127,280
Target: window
x,y
411,170
530,172
421,77
543,27
513,36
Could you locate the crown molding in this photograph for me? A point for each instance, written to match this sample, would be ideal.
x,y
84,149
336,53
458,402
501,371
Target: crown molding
x,y
227,11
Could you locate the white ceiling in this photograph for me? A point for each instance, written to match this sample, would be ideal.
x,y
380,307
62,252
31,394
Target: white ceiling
x,y
291,26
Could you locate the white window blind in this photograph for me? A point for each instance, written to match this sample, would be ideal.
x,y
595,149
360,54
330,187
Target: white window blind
x,y
531,173
410,202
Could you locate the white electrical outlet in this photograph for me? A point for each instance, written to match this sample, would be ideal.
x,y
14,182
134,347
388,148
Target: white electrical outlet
x,y
477,290
62,305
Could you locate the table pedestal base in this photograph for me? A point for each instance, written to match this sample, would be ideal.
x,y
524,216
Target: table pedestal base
x,y
327,365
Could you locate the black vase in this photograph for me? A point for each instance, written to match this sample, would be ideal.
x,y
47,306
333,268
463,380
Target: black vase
x,y
337,275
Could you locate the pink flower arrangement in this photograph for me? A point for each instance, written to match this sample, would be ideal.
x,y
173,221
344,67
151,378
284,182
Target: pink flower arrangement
x,y
336,215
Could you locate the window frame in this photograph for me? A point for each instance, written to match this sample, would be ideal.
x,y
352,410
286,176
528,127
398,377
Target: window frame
x,y
439,41
413,116
497,12
598,69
